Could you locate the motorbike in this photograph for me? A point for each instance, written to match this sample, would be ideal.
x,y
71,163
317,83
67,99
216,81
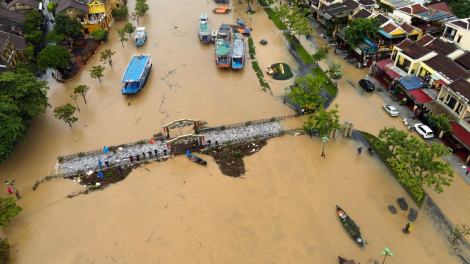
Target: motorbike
x,y
371,151
346,57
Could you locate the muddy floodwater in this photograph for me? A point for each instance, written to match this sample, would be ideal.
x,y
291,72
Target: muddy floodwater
x,y
281,211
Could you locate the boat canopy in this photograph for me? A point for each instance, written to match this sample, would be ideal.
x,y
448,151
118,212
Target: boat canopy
x,y
203,17
136,68
204,26
238,48
140,33
222,47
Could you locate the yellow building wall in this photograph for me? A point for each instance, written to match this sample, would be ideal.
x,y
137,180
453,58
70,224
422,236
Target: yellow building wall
x,y
96,7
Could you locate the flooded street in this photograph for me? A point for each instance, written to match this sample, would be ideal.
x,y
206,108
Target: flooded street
x,y
281,211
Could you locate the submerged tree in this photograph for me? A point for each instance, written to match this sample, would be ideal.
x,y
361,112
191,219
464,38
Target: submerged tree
x,y
307,91
121,12
100,34
321,54
334,72
459,231
4,250
129,28
55,57
106,56
136,16
141,6
323,121
122,36
81,90
65,112
8,210
97,72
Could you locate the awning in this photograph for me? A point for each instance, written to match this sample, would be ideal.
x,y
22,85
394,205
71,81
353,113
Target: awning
x,y
461,133
410,83
381,64
385,34
435,77
442,82
393,72
420,96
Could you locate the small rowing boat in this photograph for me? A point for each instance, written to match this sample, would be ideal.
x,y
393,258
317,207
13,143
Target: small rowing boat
x,y
195,158
351,228
345,261
241,23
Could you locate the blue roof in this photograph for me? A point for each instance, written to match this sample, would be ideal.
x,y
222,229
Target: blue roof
x,y
385,34
433,15
370,43
412,83
136,68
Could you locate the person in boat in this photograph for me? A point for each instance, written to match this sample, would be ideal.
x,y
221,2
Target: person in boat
x,y
342,214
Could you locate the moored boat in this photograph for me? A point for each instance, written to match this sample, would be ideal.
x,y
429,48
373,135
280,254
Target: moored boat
x,y
137,73
222,47
342,260
195,158
204,30
238,51
241,23
140,36
351,228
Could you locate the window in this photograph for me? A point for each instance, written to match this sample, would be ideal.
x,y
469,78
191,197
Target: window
x,y
86,31
458,39
117,5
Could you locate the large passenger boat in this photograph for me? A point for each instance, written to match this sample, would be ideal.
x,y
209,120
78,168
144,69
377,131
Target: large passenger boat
x,y
136,74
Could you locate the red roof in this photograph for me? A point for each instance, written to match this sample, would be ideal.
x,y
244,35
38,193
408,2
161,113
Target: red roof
x,y
441,7
461,133
420,96
417,8
391,72
381,64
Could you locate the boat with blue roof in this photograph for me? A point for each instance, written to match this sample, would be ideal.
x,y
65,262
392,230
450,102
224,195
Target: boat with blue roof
x,y
238,51
137,73
140,36
222,47
204,30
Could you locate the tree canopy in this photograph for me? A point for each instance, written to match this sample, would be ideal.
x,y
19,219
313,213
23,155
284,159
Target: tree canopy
x,y
81,90
361,28
65,112
8,210
33,21
34,37
97,72
321,54
307,91
22,97
53,37
67,26
141,6
55,57
323,121
121,12
441,122
106,56
51,7
100,34
129,28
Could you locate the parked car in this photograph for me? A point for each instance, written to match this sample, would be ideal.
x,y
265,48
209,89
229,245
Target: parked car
x,y
390,109
424,131
367,85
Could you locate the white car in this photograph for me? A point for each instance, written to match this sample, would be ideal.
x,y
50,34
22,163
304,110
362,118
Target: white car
x,y
390,109
424,130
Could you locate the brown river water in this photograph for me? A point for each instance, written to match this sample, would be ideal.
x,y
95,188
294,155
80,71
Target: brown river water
x,y
281,211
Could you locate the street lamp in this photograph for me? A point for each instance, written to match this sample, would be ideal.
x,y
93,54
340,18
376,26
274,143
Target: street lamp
x,y
386,253
11,184
325,139
250,22
285,91
75,98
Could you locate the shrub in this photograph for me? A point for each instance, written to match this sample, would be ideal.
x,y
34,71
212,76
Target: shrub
x,y
282,133
256,138
79,171
113,149
4,250
81,154
141,142
60,158
272,119
237,155
222,128
248,123
252,56
48,178
251,46
109,173
94,187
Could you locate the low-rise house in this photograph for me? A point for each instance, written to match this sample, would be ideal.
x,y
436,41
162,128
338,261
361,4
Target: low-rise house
x,y
408,57
11,21
428,20
24,6
457,32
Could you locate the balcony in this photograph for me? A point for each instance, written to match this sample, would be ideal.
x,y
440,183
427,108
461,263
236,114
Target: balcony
x,y
96,18
404,67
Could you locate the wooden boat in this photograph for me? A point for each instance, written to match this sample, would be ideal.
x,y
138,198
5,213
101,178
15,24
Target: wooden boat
x,y
238,51
222,1
137,73
222,47
222,10
204,30
195,158
241,23
140,36
345,261
350,227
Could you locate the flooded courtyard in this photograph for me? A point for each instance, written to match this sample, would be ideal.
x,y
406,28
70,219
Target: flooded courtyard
x,y
281,211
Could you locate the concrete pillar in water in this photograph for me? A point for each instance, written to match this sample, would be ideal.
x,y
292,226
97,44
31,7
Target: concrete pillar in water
x,y
345,129
351,129
335,132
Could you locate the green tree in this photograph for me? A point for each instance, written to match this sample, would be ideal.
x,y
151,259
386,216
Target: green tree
x,y
22,97
392,138
28,63
421,162
141,6
460,8
97,72
122,36
106,56
55,57
459,231
413,184
441,122
301,26
321,54
81,90
51,7
34,37
282,12
323,121
53,37
67,26
8,210
100,34
307,91
361,28
33,21
4,250
334,72
121,12
136,16
65,112
129,28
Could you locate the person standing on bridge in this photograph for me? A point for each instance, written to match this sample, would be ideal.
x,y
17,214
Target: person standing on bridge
x,y
156,153
143,154
150,153
131,158
107,163
105,149
138,157
100,163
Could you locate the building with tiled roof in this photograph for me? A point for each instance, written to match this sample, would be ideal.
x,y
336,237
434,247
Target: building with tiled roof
x,y
464,61
442,6
446,69
417,15
408,55
457,32
441,47
23,6
426,39
363,13
12,21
